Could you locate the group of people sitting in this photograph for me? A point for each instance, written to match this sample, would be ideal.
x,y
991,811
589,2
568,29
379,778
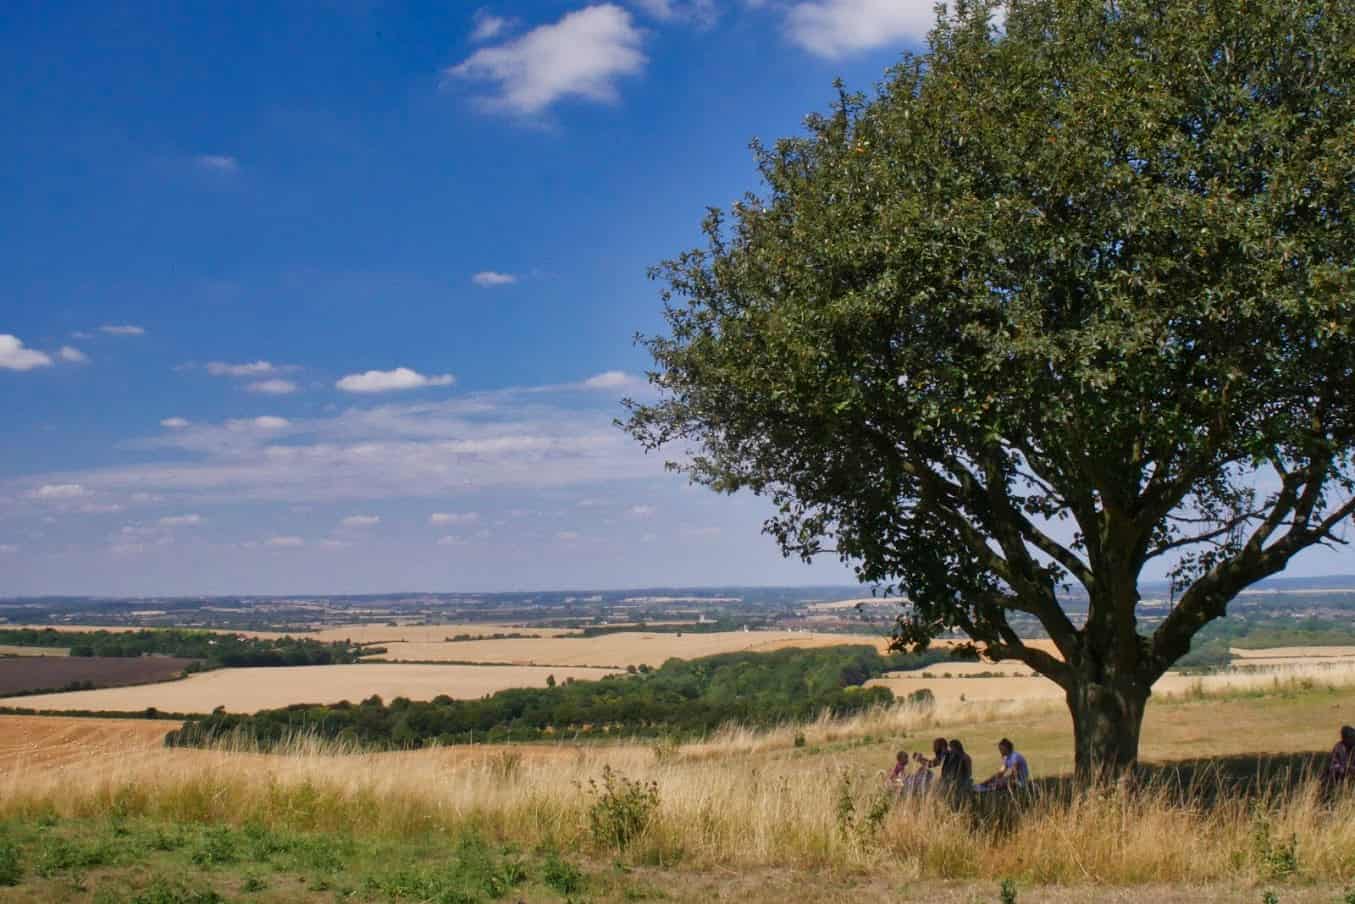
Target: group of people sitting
x,y
956,769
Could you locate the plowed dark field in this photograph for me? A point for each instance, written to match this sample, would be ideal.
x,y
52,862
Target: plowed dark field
x,y
52,673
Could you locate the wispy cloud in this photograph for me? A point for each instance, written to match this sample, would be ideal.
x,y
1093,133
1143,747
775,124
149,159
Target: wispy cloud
x,y
453,518
401,378
583,55
360,521
72,355
520,439
190,520
839,28
489,279
175,423
122,329
487,26
273,387
285,542
217,163
14,356
610,379
262,422
247,369
697,12
59,491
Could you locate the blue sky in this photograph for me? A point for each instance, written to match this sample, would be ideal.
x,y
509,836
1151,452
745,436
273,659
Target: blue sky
x,y
339,296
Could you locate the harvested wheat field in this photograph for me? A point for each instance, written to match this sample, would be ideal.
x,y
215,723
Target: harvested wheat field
x,y
386,634
252,689
968,682
620,649
47,742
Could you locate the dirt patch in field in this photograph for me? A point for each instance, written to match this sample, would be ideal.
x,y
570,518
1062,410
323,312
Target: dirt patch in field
x,y
36,673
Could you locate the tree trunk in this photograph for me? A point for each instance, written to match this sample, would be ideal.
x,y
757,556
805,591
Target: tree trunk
x,y
1107,718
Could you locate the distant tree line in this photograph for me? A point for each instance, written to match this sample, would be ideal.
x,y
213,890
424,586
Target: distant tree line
x,y
682,698
212,649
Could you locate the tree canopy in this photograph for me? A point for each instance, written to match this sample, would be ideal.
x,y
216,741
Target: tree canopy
x,y
1069,294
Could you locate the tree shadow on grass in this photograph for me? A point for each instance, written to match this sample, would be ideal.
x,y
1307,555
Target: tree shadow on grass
x,y
1202,784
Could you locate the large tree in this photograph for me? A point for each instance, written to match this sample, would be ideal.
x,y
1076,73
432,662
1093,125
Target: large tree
x,y
1069,294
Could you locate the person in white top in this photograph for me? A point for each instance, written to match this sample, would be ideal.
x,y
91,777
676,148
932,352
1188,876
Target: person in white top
x,y
1015,771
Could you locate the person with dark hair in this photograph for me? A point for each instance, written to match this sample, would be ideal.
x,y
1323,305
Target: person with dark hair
x,y
1015,771
938,757
957,770
1340,771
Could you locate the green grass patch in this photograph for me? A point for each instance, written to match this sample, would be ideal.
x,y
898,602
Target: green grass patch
x,y
135,861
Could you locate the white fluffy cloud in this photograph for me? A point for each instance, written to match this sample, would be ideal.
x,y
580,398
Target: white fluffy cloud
x,y
360,521
272,387
14,356
390,381
453,517
122,329
175,423
249,369
191,520
489,279
217,163
72,355
838,28
582,56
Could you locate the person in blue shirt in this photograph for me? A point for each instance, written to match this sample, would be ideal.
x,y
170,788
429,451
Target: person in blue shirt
x,y
1015,771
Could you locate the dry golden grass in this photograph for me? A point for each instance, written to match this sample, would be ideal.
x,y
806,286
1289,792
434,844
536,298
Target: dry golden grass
x,y
249,690
620,649
755,800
